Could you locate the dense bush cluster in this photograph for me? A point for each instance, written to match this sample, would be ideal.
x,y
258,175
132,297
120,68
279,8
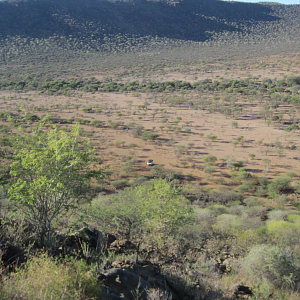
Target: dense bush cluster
x,y
246,86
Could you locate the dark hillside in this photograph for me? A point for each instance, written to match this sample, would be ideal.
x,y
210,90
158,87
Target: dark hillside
x,y
52,33
186,20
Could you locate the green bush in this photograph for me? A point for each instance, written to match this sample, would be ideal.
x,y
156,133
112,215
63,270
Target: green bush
x,y
118,184
243,174
195,233
115,125
137,181
279,185
291,174
277,215
148,135
252,202
137,130
140,213
210,158
43,277
217,209
132,145
263,181
297,186
225,223
87,109
96,123
234,124
281,201
292,127
246,186
261,230
293,218
270,263
296,204
261,191
209,170
275,227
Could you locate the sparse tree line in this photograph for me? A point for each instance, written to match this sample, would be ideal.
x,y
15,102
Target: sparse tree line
x,y
246,86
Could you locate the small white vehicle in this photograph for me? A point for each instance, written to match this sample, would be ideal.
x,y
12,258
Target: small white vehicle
x,y
149,162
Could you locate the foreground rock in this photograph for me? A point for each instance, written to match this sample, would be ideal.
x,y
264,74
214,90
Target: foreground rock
x,y
90,237
139,280
11,255
122,283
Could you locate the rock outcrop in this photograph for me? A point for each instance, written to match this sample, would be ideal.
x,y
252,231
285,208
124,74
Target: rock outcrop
x,y
129,280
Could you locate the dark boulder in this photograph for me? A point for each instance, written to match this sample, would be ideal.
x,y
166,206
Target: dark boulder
x,y
12,254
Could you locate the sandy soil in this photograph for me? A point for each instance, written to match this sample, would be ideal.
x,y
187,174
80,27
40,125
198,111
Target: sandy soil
x,y
257,133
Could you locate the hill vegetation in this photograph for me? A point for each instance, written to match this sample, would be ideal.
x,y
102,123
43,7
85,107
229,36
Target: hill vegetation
x,y
49,33
91,91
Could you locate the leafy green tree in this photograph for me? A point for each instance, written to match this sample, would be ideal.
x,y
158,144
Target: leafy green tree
x,y
155,209
292,127
87,109
212,137
210,159
162,207
251,155
149,135
246,186
270,266
52,171
187,130
137,130
279,185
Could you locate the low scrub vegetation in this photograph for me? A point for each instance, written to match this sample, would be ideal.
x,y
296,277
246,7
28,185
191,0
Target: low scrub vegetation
x,y
43,277
221,238
149,162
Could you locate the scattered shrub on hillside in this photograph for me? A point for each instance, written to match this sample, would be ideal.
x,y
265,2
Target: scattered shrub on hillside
x,y
115,125
97,123
269,266
279,185
293,218
43,277
261,191
194,234
291,174
224,197
154,209
292,127
246,186
297,205
87,109
243,174
137,130
210,159
276,215
119,184
217,209
209,170
149,135
280,201
275,227
252,202
137,181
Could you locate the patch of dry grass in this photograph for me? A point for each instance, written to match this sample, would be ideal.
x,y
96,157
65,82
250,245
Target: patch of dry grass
x,y
43,277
